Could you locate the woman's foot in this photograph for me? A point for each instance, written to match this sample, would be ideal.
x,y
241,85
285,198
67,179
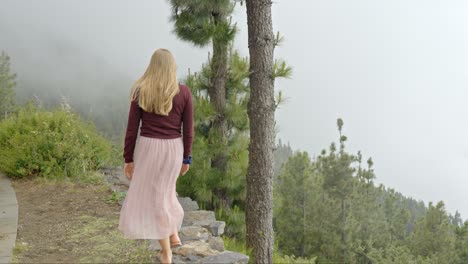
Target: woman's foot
x,y
165,257
175,240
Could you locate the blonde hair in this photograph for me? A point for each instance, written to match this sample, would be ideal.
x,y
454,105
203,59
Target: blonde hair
x,y
158,85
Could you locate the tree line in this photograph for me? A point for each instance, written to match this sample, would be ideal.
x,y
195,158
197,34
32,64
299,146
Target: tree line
x,y
329,207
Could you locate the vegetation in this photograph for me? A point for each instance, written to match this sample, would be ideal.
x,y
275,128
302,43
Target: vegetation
x,y
7,83
109,244
212,188
201,23
326,209
51,144
329,208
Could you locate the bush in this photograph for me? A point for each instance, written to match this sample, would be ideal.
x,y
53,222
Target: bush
x,y
51,144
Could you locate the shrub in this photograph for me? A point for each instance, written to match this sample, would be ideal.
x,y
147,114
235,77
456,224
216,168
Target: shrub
x,y
50,144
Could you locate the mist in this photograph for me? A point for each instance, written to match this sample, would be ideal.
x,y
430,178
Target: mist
x,y
393,70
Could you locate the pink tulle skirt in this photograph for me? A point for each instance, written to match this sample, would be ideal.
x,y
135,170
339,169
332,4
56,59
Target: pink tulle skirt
x,y
151,209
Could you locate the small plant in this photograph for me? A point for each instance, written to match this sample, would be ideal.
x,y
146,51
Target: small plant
x,y
116,196
20,247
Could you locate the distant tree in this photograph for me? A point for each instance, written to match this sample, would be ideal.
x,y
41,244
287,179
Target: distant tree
x,y
456,219
291,210
462,243
281,153
433,235
372,226
7,83
337,170
397,215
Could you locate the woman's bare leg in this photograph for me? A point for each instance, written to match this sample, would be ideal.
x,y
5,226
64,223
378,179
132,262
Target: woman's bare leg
x,y
166,252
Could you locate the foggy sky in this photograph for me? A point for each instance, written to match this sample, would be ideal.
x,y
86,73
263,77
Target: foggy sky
x,y
395,71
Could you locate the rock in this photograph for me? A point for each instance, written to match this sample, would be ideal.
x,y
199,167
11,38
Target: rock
x,y
201,248
199,218
216,243
188,204
187,233
217,228
193,258
118,188
177,259
228,257
115,176
154,245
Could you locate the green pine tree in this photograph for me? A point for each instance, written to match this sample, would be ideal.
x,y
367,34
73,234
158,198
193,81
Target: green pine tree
x,y
338,174
282,153
433,235
211,187
7,83
202,22
462,243
291,209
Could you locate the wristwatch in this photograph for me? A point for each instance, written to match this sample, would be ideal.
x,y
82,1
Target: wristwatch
x,y
188,161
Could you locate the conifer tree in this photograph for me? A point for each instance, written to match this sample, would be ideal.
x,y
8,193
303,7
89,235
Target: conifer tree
x,y
338,172
211,188
282,153
202,22
433,236
7,83
261,108
292,204
462,243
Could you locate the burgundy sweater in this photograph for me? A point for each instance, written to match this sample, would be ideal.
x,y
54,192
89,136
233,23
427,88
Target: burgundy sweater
x,y
160,126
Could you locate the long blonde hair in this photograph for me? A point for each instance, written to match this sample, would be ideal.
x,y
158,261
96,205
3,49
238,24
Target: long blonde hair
x,y
158,85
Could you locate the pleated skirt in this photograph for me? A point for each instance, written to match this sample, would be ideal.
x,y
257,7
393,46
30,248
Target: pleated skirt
x,y
151,209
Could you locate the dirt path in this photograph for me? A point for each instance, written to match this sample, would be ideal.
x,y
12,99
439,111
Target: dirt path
x,y
71,222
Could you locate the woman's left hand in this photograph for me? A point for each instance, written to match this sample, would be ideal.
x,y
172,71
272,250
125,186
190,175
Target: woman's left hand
x,y
128,169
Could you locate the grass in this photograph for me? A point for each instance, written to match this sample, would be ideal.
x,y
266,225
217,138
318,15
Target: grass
x,y
105,244
116,196
20,247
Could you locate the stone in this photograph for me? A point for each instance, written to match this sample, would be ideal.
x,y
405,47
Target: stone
x,y
188,204
115,176
217,228
216,243
199,218
201,248
154,245
177,260
228,257
187,233
192,257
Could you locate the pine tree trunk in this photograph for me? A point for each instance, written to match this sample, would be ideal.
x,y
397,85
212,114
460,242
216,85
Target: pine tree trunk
x,y
217,95
261,109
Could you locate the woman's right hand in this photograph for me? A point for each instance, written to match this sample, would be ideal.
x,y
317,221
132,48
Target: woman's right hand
x,y
128,169
184,169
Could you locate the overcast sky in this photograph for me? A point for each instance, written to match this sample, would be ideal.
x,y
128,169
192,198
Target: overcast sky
x,y
395,71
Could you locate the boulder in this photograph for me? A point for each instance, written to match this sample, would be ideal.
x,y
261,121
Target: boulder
x,y
199,218
228,257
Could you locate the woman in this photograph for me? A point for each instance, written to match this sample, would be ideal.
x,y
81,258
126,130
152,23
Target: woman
x,y
151,209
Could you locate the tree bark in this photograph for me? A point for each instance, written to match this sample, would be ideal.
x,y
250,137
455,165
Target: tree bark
x,y
261,110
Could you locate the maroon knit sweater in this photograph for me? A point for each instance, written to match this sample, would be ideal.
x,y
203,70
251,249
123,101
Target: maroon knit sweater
x,y
160,126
